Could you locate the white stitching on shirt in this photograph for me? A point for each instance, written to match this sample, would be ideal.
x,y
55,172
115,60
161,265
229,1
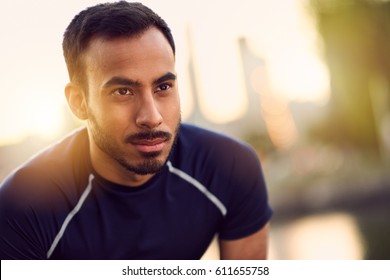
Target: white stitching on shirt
x,y
199,186
70,217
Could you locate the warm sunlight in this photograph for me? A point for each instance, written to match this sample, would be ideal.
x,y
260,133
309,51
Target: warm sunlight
x,y
40,117
33,73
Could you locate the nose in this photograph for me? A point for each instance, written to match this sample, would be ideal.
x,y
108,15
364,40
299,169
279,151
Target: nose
x,y
148,115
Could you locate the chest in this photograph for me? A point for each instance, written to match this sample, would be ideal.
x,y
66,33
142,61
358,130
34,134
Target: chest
x,y
168,223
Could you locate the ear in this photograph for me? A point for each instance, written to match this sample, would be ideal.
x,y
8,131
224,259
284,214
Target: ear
x,y
76,100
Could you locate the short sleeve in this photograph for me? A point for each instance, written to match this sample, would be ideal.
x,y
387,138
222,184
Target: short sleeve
x,y
248,209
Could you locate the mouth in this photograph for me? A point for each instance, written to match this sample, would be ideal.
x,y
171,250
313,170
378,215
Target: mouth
x,y
149,143
150,146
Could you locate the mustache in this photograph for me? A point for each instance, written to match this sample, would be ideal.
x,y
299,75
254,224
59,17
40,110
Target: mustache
x,y
148,135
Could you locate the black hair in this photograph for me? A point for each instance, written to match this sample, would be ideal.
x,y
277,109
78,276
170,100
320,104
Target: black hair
x,y
108,21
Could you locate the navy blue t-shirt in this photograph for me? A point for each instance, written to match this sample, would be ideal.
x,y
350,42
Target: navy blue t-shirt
x,y
56,207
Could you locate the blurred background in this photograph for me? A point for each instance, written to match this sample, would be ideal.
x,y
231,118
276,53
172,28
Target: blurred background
x,y
305,82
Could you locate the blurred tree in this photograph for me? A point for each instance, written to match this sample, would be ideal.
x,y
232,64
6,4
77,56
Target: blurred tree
x,y
356,38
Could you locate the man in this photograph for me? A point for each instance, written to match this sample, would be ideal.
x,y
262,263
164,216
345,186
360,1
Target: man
x,y
135,183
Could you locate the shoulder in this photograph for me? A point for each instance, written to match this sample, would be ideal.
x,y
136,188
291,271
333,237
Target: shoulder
x,y
215,159
36,197
207,139
216,147
54,165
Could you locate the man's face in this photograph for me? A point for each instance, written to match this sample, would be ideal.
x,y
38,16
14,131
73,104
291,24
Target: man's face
x,y
133,103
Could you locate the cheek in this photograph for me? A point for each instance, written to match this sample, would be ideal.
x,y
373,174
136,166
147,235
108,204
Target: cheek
x,y
119,120
172,112
111,119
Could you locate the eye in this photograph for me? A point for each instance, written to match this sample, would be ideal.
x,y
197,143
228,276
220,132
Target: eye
x,y
122,91
163,87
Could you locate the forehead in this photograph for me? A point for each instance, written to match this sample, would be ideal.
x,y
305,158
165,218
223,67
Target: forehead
x,y
148,49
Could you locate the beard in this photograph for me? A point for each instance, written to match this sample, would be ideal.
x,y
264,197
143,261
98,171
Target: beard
x,y
150,163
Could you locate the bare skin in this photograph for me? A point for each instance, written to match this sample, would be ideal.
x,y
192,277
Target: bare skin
x,y
253,247
132,89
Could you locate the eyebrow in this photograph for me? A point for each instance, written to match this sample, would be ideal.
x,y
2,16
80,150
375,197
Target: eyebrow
x,y
117,80
167,77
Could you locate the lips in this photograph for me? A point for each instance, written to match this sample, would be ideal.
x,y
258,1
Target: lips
x,y
151,142
150,146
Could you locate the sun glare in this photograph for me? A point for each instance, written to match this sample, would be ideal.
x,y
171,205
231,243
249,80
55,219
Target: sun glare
x,y
41,117
45,120
280,33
